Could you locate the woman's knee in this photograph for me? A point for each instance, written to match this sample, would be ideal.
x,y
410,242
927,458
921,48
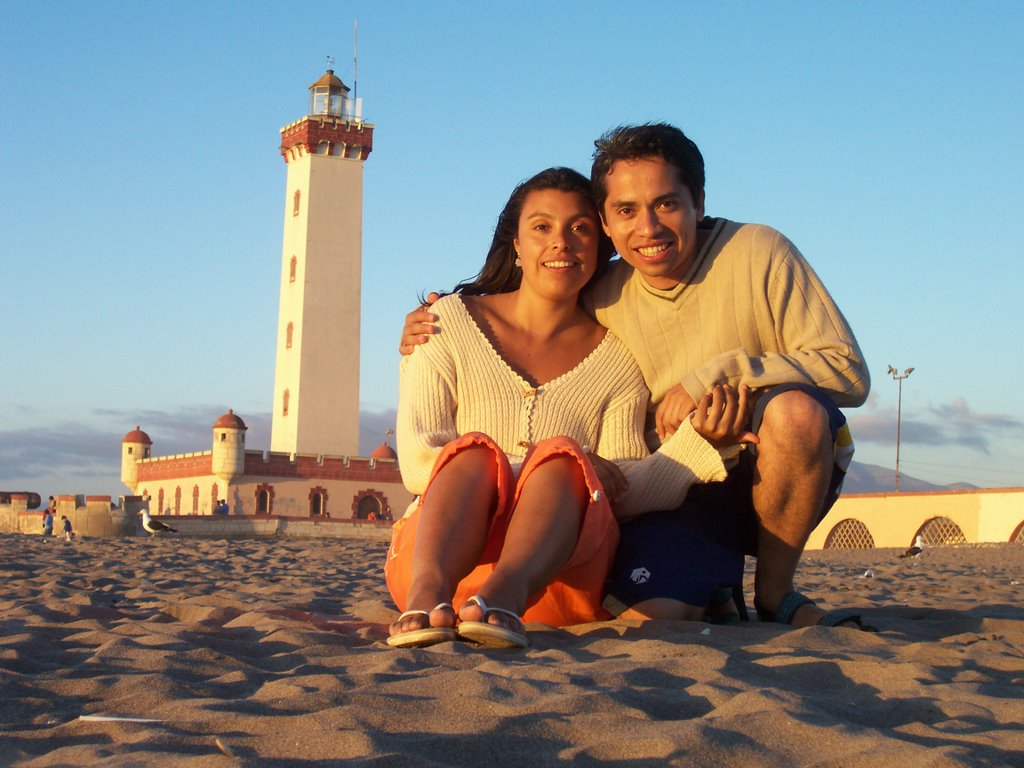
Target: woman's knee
x,y
561,471
473,448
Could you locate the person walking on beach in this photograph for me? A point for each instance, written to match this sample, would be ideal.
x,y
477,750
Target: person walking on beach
x,y
500,425
700,302
68,533
47,522
51,509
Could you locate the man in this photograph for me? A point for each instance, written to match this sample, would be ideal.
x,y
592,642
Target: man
x,y
699,302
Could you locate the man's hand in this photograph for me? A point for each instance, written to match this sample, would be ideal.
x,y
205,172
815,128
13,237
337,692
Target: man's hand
x,y
721,417
674,407
419,326
611,477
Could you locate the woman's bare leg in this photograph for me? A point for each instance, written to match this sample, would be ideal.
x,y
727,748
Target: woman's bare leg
x,y
540,539
451,534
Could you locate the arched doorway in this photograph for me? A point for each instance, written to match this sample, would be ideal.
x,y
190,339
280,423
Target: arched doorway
x,y
369,508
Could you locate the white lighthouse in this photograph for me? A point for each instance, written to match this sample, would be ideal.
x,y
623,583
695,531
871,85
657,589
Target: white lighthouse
x,y
316,379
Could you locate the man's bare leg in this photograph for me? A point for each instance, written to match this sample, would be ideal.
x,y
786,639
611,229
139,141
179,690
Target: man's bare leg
x,y
791,479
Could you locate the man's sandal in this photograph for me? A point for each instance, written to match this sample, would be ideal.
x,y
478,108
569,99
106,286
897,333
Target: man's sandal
x,y
492,635
419,638
793,601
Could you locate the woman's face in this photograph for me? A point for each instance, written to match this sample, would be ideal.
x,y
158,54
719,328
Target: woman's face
x,y
557,243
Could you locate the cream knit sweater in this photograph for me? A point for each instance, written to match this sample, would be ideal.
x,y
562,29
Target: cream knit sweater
x,y
750,311
458,383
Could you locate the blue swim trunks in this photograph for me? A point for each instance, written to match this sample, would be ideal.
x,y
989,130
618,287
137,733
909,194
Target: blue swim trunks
x,y
685,554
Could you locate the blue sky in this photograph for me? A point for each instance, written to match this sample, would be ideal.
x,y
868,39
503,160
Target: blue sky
x,y
142,194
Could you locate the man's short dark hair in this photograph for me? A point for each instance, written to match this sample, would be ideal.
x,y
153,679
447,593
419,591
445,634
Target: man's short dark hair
x,y
638,142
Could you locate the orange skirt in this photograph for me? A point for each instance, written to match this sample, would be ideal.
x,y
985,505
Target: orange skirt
x,y
575,594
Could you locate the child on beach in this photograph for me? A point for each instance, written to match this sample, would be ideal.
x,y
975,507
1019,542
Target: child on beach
x,y
68,533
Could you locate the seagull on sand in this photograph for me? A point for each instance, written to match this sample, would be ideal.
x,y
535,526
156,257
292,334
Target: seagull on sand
x,y
154,526
915,550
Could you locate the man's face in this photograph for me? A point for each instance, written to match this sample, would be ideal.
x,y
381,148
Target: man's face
x,y
652,219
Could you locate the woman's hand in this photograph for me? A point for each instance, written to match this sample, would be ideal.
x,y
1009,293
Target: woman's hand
x,y
721,416
419,326
611,477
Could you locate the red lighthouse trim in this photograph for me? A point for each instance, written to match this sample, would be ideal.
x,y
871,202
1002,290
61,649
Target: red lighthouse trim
x,y
305,135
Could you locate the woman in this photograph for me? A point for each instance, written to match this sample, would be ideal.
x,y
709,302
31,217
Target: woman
x,y
497,420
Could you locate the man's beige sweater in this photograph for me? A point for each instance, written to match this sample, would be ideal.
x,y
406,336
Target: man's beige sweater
x,y
750,311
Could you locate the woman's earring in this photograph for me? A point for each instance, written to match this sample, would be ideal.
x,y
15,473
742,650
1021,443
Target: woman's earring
x,y
518,262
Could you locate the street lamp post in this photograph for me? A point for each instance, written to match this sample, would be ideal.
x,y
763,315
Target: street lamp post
x,y
898,378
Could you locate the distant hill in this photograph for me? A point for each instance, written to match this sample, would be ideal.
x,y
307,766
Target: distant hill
x,y
871,478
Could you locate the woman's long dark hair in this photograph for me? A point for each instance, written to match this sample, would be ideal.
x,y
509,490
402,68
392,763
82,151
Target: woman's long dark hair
x,y
499,273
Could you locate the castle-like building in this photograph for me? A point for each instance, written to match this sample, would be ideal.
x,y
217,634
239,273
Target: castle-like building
x,y
313,468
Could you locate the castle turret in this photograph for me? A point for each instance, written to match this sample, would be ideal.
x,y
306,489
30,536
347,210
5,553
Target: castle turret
x,y
135,446
229,447
316,379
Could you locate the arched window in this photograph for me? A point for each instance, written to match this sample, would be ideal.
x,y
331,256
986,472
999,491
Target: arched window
x,y
295,202
288,335
284,402
318,501
850,534
941,530
177,500
1018,535
213,496
292,268
264,499
195,499
160,502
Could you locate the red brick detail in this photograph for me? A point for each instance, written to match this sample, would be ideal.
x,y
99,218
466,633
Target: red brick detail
x,y
174,467
310,131
332,468
96,498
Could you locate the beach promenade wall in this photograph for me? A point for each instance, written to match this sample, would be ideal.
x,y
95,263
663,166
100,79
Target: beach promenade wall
x,y
96,516
856,521
89,515
940,517
277,525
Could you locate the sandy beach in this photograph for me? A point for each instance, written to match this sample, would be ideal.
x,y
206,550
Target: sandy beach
x,y
271,652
